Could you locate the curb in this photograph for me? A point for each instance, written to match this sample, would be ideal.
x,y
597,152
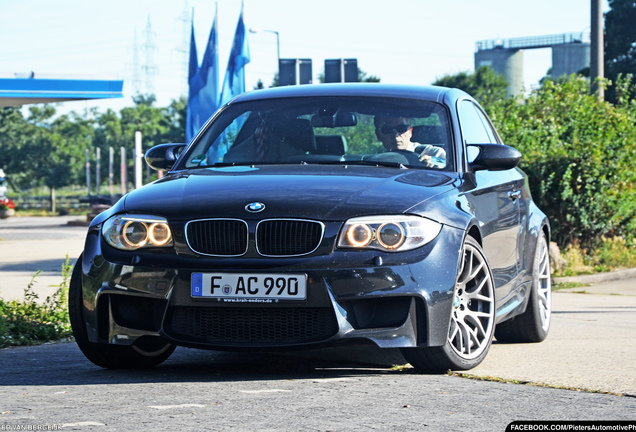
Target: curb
x,y
599,277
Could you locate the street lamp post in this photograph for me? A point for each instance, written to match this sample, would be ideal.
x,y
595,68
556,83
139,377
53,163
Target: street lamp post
x,y
596,50
257,30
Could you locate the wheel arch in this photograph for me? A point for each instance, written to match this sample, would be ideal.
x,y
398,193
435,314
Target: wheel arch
x,y
538,224
473,231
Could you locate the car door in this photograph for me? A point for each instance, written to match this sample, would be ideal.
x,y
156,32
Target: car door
x,y
495,201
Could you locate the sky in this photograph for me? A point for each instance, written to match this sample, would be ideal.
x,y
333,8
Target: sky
x,y
146,42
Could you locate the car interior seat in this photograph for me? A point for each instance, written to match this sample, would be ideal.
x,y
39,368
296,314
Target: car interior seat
x,y
331,144
295,135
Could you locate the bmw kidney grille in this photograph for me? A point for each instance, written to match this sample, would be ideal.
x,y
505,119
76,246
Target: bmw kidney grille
x,y
274,237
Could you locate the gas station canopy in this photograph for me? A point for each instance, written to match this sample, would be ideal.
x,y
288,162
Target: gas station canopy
x,y
23,91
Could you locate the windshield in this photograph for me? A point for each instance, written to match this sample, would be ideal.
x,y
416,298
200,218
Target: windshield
x,y
327,130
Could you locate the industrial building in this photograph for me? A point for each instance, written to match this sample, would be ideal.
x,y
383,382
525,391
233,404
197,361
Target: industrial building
x,y
570,54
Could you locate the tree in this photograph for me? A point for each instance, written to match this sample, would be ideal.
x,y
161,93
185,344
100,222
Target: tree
x,y
50,149
620,42
58,148
275,80
578,153
157,126
175,119
485,84
14,133
43,149
362,77
365,77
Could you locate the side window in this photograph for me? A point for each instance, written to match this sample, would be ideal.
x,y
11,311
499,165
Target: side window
x,y
475,127
486,123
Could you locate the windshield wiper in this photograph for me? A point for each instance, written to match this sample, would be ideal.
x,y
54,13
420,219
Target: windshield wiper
x,y
227,164
366,162
314,162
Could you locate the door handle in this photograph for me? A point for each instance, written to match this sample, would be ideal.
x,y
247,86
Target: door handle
x,y
514,195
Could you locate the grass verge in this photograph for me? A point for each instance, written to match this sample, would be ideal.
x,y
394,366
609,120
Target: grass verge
x,y
529,383
31,322
609,254
567,285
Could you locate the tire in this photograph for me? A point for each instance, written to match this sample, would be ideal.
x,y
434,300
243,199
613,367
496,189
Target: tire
x,y
533,325
472,319
145,353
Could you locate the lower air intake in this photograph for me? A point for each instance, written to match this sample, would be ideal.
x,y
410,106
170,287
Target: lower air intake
x,y
252,327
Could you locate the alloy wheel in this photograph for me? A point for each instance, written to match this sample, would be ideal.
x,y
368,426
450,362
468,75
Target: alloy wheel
x,y
473,315
544,285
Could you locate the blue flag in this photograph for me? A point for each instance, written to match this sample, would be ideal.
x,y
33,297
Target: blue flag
x,y
203,97
209,76
234,82
193,100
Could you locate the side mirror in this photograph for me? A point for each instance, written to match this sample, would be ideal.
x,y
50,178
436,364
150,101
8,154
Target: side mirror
x,y
163,156
492,157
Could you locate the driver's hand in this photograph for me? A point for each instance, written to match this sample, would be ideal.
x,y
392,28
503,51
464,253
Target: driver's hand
x,y
426,160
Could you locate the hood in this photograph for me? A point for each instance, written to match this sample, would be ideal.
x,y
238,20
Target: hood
x,y
291,191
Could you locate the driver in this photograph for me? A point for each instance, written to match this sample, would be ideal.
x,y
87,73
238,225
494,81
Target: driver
x,y
395,134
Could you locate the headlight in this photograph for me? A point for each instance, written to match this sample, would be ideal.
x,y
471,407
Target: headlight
x,y
131,232
388,233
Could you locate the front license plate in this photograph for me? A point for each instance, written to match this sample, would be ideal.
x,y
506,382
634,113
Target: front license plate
x,y
248,287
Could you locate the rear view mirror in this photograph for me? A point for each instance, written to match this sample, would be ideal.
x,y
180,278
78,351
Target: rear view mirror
x,y
163,156
345,119
492,157
338,119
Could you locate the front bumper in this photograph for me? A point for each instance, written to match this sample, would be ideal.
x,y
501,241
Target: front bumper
x,y
394,300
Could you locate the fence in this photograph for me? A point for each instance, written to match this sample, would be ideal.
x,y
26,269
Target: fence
x,y
75,203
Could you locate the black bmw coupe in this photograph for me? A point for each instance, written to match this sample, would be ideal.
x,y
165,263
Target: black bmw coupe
x,y
315,215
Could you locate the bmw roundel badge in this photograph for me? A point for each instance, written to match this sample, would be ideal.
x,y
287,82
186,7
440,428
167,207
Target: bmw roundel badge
x,y
255,207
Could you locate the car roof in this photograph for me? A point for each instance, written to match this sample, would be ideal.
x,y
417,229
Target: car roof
x,y
431,93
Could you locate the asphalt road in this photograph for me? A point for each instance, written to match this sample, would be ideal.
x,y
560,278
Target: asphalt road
x,y
200,390
591,346
32,244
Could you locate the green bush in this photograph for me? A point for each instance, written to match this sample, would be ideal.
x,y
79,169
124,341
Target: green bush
x,y
30,322
613,253
579,154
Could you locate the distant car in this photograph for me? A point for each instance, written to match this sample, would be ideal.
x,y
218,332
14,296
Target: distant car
x,y
290,221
